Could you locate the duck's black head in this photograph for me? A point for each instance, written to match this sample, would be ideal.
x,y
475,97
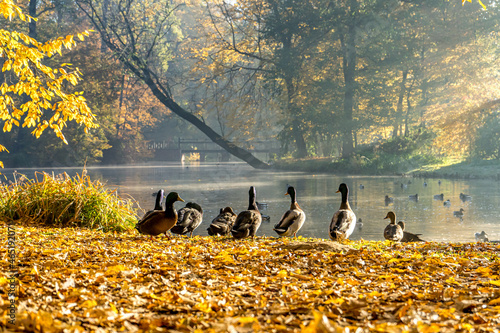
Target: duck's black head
x,y
343,189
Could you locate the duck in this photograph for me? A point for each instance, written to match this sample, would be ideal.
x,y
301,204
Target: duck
x,y
465,197
439,197
222,223
262,205
344,220
393,231
447,203
407,236
481,236
388,200
158,202
160,221
459,213
189,218
413,197
293,219
359,224
248,221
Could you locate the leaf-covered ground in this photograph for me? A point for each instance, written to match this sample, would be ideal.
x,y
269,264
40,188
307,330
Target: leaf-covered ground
x,y
80,280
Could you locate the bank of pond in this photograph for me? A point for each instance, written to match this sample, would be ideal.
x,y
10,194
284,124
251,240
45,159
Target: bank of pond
x,y
247,222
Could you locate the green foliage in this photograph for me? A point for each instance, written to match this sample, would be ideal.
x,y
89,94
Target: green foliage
x,y
400,154
62,201
487,143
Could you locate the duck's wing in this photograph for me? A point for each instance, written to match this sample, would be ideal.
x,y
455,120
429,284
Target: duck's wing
x,y
343,223
146,217
289,219
222,224
155,223
409,237
188,220
246,224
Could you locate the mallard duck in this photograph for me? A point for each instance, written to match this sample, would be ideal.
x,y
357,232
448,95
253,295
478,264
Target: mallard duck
x,y
407,236
293,219
222,223
158,203
344,220
388,200
160,221
447,203
459,213
248,221
465,197
189,218
439,197
481,236
393,231
413,197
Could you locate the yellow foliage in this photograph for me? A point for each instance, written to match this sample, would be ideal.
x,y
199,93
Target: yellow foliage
x,y
23,57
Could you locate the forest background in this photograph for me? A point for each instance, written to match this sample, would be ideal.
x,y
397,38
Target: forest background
x,y
379,85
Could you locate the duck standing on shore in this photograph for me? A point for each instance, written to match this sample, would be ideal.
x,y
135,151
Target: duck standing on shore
x,y
222,223
160,221
248,221
189,218
293,219
344,220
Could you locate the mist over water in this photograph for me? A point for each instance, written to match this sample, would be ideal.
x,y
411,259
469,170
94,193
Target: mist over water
x,y
215,186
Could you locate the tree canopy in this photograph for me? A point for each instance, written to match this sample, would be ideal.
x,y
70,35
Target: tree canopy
x,y
35,95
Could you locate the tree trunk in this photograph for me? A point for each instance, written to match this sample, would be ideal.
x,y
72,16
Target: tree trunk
x,y
127,56
399,109
162,94
292,108
349,68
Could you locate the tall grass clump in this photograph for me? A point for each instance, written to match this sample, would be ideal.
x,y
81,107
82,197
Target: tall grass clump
x,y
63,201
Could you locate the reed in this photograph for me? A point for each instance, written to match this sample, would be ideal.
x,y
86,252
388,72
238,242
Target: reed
x,y
64,201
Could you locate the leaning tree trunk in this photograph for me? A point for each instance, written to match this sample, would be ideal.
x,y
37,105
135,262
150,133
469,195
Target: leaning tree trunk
x,y
126,54
165,98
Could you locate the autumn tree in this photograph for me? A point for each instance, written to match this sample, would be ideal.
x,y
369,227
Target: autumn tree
x,y
34,95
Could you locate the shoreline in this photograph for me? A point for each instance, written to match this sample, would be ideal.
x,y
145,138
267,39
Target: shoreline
x,y
477,169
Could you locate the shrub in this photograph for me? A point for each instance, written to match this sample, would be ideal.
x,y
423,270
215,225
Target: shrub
x,y
62,201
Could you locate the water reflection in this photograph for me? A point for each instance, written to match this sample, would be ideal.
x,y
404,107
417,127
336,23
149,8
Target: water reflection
x,y
214,186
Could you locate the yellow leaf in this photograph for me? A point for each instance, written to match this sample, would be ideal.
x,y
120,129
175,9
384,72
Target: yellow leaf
x,y
495,282
246,320
88,304
492,302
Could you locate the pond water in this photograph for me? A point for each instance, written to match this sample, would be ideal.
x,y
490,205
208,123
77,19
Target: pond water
x,y
214,186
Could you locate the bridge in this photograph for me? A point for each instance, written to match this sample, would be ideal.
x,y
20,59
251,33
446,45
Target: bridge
x,y
176,150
